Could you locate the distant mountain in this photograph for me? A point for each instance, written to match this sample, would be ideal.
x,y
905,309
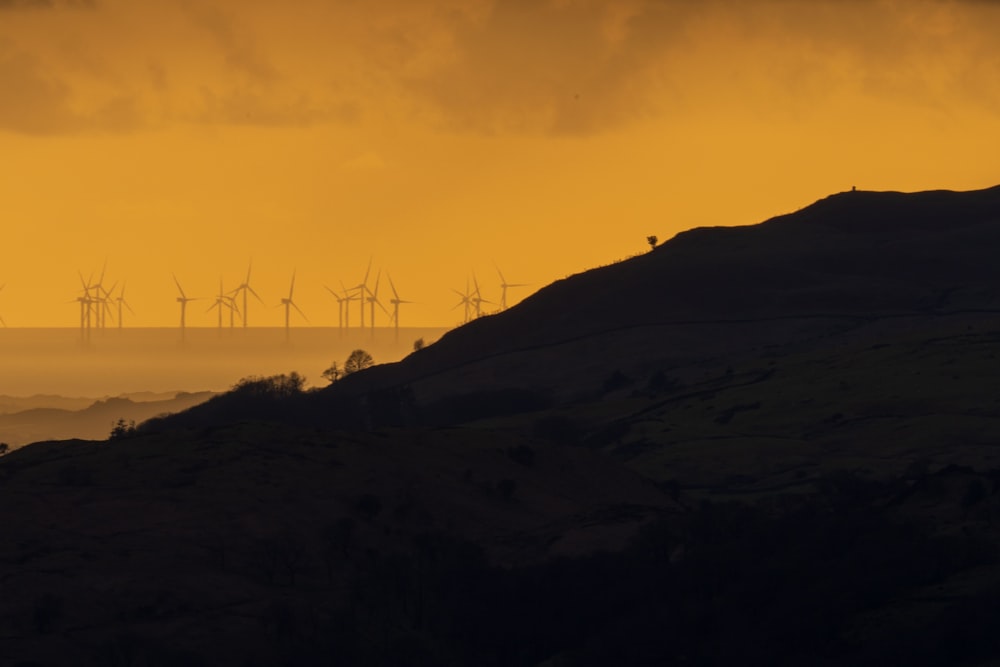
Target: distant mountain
x,y
86,418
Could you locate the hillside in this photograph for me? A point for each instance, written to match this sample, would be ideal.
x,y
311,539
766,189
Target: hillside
x,y
763,445
845,261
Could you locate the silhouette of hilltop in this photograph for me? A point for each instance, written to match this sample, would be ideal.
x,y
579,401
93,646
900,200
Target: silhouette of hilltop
x,y
851,258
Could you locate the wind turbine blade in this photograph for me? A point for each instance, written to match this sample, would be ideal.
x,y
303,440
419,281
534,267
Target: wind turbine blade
x,y
249,267
177,282
2,322
254,292
292,287
395,295
367,272
299,311
125,303
500,273
378,278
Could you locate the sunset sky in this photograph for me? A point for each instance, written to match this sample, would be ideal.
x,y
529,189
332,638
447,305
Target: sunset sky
x,y
438,137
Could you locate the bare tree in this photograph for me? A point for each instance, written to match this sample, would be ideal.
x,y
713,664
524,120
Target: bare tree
x,y
333,373
358,360
652,241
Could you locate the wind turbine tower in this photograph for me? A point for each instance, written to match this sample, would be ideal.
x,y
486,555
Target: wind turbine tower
x,y
477,297
245,287
341,301
465,300
1,317
289,304
85,302
503,288
223,300
183,300
120,300
395,301
373,299
363,292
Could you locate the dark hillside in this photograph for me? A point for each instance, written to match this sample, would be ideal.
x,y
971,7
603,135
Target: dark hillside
x,y
852,257
767,445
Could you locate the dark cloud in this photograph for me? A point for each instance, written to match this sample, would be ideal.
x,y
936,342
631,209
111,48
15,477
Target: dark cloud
x,y
585,66
37,104
33,103
248,107
237,45
47,4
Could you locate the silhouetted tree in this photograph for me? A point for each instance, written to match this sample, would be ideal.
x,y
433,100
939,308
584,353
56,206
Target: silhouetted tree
x,y
333,373
275,386
418,344
652,241
358,360
122,429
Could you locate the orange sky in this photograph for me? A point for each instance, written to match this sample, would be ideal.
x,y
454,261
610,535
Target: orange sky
x,y
441,136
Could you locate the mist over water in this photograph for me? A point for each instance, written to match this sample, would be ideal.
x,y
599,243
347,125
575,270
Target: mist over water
x,y
114,362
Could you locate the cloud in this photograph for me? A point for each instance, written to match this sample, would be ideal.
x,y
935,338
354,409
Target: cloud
x,y
39,104
33,103
244,106
47,4
585,66
238,46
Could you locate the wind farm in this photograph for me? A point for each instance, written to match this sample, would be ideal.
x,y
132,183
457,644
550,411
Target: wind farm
x,y
101,303
109,344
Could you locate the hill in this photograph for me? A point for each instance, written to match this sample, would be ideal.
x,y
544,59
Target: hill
x,y
762,445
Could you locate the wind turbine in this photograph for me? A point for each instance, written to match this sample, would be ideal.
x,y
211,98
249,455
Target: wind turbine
x,y
477,300
503,288
99,302
223,299
85,302
341,301
373,299
245,287
183,300
466,300
289,304
395,301
348,297
1,318
363,292
120,299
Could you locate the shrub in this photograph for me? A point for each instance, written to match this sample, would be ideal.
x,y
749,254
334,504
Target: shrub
x,y
275,386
